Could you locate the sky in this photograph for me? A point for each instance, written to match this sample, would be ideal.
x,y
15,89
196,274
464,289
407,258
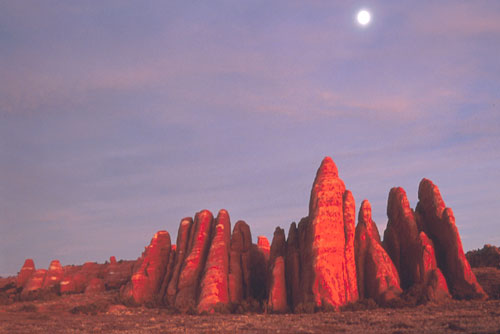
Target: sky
x,y
119,118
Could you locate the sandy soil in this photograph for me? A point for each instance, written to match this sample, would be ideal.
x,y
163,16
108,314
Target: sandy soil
x,y
84,314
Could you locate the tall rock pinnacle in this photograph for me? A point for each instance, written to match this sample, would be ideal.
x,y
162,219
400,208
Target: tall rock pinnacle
x,y
148,276
411,250
377,276
326,236
214,284
438,223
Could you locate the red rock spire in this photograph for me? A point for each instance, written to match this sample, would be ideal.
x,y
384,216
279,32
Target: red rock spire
x,y
439,224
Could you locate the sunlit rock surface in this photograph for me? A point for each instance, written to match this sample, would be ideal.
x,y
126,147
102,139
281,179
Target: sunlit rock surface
x,y
194,263
277,300
378,278
438,223
330,259
54,275
150,269
326,262
25,273
214,284
411,250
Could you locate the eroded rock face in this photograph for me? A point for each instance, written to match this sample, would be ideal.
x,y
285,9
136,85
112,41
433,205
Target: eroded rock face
x,y
439,224
349,208
168,275
377,276
189,278
54,275
292,267
431,277
149,272
117,274
181,252
263,245
35,282
75,283
239,262
411,251
27,270
277,300
327,238
95,286
76,278
214,284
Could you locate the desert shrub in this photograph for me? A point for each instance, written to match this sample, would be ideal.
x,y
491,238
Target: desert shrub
x,y
127,301
360,305
92,308
152,304
305,307
249,306
221,308
41,294
28,308
8,286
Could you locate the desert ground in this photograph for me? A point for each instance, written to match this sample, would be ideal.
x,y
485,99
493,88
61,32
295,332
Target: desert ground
x,y
101,314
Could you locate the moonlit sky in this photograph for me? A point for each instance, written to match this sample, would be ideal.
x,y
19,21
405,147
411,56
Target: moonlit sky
x,y
119,118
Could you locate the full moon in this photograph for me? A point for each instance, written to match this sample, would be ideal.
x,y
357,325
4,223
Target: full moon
x,y
364,17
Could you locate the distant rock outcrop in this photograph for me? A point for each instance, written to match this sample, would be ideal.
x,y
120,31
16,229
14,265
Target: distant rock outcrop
x,y
378,278
34,283
54,275
24,275
438,222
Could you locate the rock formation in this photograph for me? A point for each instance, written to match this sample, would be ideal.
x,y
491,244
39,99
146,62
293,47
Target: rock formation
x,y
239,263
411,250
181,251
277,300
330,261
326,261
214,284
263,245
26,271
292,267
54,275
189,278
438,222
95,286
377,276
34,283
147,278
116,274
349,208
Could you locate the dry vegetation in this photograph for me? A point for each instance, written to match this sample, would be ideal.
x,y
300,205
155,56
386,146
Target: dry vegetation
x,y
84,314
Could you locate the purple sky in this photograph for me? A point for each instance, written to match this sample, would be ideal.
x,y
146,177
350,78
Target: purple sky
x,y
118,118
